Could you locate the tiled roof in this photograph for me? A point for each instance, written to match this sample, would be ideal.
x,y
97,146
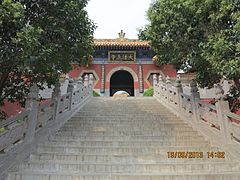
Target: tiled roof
x,y
121,42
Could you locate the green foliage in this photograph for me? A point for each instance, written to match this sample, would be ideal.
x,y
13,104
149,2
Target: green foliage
x,y
197,36
149,92
172,24
193,35
39,40
95,94
233,99
2,115
2,130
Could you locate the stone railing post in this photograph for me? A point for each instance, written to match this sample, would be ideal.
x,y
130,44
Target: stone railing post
x,y
80,82
86,80
155,85
158,92
168,85
32,103
223,105
195,98
160,79
91,82
179,91
70,89
91,79
155,80
56,95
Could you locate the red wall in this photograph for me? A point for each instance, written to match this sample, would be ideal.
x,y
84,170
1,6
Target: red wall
x,y
168,70
96,67
11,109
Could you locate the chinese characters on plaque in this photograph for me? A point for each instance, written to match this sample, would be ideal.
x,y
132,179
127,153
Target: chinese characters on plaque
x,y
116,56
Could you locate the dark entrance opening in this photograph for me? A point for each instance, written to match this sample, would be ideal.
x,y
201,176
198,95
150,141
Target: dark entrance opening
x,y
122,81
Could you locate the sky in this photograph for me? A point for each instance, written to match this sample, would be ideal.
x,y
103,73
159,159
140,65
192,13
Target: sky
x,y
112,16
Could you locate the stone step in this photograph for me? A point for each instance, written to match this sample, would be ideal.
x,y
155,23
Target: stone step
x,y
125,159
129,123
26,175
131,109
103,132
125,121
116,122
120,141
138,105
91,137
125,144
110,128
128,110
127,116
140,168
89,126
128,107
123,150
121,119
123,124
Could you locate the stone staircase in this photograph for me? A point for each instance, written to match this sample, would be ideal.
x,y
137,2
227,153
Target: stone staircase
x,y
125,139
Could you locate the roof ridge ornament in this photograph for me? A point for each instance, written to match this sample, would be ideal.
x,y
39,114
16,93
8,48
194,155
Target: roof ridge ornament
x,y
121,35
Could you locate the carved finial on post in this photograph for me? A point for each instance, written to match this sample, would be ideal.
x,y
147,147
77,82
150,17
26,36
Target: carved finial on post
x,y
194,89
79,81
222,105
91,79
193,86
178,76
70,90
32,104
32,96
154,80
56,91
160,79
168,80
56,97
179,84
70,87
86,80
219,92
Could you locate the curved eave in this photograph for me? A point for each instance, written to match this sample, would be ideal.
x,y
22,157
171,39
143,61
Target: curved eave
x,y
129,44
122,47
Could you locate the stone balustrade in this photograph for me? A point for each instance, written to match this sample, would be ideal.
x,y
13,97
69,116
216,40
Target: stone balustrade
x,y
20,134
215,122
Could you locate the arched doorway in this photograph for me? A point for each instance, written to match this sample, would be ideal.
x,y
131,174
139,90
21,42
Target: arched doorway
x,y
122,81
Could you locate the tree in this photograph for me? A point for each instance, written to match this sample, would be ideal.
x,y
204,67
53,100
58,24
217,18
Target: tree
x,y
39,40
222,49
17,43
199,36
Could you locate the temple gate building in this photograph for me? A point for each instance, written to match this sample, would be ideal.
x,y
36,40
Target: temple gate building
x,y
122,64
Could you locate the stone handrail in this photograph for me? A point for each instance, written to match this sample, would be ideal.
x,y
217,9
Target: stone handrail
x,y
20,133
215,122
234,126
45,114
13,130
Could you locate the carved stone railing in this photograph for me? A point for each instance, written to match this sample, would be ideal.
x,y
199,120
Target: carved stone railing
x,y
215,122
20,134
